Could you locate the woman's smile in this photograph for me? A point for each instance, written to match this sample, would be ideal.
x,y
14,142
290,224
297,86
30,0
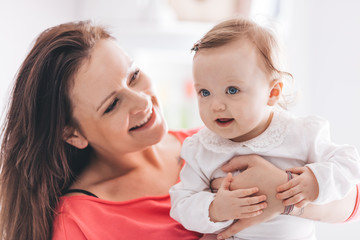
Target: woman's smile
x,y
147,122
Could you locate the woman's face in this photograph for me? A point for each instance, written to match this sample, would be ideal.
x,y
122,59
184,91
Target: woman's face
x,y
114,102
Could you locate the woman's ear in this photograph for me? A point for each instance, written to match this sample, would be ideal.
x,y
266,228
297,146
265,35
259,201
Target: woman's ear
x,y
275,92
75,138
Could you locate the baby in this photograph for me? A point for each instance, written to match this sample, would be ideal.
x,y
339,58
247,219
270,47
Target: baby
x,y
239,84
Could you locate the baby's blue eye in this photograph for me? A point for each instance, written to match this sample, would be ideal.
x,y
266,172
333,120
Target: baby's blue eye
x,y
204,93
232,90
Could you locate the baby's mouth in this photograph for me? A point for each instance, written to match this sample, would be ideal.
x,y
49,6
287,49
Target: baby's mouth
x,y
223,122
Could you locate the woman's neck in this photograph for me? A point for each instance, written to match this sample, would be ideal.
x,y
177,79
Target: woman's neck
x,y
149,171
104,168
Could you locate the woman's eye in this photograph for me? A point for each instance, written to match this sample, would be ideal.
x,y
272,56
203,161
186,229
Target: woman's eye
x,y
111,106
134,76
232,90
204,93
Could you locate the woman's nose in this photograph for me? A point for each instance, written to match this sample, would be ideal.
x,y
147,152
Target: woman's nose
x,y
139,101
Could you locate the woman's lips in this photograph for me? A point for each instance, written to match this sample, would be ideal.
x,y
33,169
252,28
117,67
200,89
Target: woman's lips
x,y
224,122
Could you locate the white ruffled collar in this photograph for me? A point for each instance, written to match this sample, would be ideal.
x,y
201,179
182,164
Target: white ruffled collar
x,y
272,137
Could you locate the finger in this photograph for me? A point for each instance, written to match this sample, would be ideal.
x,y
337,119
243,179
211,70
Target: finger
x,y
293,200
247,201
245,192
297,170
288,193
233,229
225,184
249,214
251,209
286,186
302,203
237,163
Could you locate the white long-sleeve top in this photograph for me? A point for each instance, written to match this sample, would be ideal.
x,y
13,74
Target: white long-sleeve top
x,y
288,142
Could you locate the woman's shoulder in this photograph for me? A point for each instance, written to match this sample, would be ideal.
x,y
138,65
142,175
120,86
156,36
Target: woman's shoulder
x,y
66,224
85,217
70,205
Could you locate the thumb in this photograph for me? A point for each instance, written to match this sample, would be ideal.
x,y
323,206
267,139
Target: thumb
x,y
225,184
237,163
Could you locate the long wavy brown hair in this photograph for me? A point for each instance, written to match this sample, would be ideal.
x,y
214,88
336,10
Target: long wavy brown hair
x,y
36,163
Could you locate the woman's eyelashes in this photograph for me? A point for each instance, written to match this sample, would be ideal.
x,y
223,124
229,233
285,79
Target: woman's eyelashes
x,y
114,103
111,106
134,76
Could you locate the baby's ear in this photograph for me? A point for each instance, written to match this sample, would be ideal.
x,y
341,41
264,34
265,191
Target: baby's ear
x,y
275,92
75,138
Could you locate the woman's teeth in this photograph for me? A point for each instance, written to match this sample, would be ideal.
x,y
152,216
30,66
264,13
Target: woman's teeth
x,y
143,122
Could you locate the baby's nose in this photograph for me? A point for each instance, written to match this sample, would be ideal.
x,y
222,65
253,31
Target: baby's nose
x,y
218,106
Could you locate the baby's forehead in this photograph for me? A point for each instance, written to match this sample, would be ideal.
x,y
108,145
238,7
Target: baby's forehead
x,y
241,51
243,45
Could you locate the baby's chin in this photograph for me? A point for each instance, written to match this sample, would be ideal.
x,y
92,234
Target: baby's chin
x,y
226,134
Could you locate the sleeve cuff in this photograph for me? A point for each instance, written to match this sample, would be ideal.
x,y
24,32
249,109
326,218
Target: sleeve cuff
x,y
215,226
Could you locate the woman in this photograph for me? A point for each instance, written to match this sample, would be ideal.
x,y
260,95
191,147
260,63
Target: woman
x,y
86,153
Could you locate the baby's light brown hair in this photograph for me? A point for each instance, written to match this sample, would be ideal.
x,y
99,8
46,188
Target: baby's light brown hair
x,y
262,38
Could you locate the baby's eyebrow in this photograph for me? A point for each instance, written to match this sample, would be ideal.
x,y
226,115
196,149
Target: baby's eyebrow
x,y
196,85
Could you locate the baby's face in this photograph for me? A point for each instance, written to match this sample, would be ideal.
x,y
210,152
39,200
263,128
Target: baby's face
x,y
233,90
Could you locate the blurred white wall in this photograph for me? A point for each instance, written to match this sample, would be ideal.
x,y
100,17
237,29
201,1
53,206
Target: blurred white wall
x,y
324,53
20,22
321,40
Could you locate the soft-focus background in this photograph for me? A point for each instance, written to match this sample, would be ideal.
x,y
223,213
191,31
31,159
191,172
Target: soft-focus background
x,y
321,42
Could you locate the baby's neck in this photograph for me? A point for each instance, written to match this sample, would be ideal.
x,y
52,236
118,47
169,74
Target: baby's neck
x,y
256,132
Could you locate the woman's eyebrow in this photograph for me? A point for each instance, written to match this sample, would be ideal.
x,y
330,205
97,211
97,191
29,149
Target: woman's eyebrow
x,y
128,72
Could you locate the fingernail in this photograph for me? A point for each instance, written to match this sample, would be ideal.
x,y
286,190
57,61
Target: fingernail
x,y
219,237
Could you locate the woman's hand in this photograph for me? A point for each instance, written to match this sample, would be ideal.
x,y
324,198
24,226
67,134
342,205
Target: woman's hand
x,y
262,174
236,204
256,172
300,190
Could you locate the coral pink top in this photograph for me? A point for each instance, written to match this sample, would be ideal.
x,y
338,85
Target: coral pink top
x,y
87,217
